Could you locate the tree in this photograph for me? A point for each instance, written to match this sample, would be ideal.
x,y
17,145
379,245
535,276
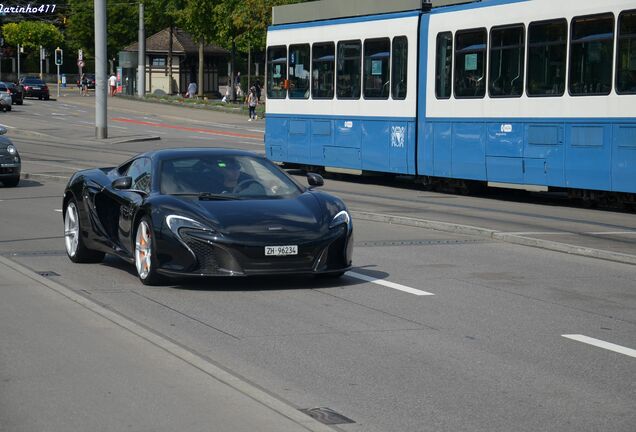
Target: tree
x,y
243,23
194,18
32,34
122,26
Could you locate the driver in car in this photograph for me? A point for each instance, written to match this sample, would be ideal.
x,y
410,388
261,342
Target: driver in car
x,y
234,180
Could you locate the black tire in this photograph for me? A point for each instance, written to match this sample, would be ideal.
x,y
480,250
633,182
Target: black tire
x,y
147,275
9,108
82,254
40,97
47,97
11,182
20,102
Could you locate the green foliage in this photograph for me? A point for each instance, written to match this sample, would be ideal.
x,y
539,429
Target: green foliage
x,y
32,34
122,26
244,21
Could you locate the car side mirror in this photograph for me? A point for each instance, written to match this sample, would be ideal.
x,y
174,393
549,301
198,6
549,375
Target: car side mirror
x,y
122,183
3,130
315,180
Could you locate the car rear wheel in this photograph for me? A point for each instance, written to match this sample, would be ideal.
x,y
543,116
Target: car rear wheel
x,y
11,182
9,108
145,253
75,248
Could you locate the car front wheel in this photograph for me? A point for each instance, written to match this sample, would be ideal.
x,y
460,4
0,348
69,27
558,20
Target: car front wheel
x,y
145,253
75,248
11,182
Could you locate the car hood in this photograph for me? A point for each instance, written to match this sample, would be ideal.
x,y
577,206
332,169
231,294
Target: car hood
x,y
303,217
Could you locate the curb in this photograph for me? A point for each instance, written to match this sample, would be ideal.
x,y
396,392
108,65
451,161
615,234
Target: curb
x,y
51,177
127,140
195,360
497,235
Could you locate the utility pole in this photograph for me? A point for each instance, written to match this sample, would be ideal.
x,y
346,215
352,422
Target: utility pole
x,y
101,128
141,60
18,62
41,56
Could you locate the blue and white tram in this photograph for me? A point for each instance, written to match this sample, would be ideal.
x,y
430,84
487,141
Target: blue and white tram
x,y
519,93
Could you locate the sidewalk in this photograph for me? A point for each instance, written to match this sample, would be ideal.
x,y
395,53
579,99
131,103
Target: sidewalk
x,y
68,364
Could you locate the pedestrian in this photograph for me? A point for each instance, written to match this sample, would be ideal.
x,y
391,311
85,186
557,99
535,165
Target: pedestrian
x,y
84,85
258,90
112,82
192,90
252,101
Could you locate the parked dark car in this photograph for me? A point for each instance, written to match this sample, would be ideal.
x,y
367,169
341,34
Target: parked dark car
x,y
205,212
17,93
90,79
10,163
35,87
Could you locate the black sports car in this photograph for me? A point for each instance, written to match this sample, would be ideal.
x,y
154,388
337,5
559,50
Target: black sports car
x,y
205,212
10,163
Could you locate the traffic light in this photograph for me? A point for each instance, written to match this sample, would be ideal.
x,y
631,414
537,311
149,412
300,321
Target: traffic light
x,y
58,56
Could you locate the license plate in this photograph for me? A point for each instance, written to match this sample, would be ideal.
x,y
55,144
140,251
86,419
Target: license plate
x,y
281,250
36,88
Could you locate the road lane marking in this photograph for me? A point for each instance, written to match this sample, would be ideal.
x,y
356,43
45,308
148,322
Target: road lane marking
x,y
189,129
612,233
58,210
520,233
388,284
602,344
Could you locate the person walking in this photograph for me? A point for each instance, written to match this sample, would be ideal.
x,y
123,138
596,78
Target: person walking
x,y
84,85
112,82
252,101
192,90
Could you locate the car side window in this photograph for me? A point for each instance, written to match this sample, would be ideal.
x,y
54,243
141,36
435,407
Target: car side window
x,y
140,171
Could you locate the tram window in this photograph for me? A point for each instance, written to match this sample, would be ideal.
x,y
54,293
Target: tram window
x,y
276,72
626,70
444,65
507,49
399,67
591,55
322,70
547,53
348,70
377,53
470,64
299,71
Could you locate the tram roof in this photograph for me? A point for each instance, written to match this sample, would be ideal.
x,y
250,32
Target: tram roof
x,y
334,9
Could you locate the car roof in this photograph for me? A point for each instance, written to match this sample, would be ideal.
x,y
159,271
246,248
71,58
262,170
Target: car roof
x,y
198,151
172,153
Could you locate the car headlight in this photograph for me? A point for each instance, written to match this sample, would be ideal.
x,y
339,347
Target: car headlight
x,y
176,222
341,218
11,149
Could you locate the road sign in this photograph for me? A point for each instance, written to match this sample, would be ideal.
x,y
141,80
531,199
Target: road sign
x,y
80,55
80,63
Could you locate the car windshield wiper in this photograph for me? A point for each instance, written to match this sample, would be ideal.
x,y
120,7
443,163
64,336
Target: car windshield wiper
x,y
207,195
215,196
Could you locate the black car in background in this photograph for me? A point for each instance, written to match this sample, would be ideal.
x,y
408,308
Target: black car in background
x,y
17,93
35,87
90,81
205,212
10,164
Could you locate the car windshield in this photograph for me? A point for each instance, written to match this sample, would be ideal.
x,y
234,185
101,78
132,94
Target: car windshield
x,y
33,82
235,176
3,88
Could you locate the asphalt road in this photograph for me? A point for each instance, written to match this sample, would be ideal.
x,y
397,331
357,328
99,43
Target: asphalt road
x,y
486,350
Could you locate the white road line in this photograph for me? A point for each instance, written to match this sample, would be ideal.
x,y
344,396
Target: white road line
x,y
602,344
389,284
538,233
117,127
58,210
613,233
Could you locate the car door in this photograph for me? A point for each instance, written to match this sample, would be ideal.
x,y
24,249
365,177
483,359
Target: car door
x,y
140,172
